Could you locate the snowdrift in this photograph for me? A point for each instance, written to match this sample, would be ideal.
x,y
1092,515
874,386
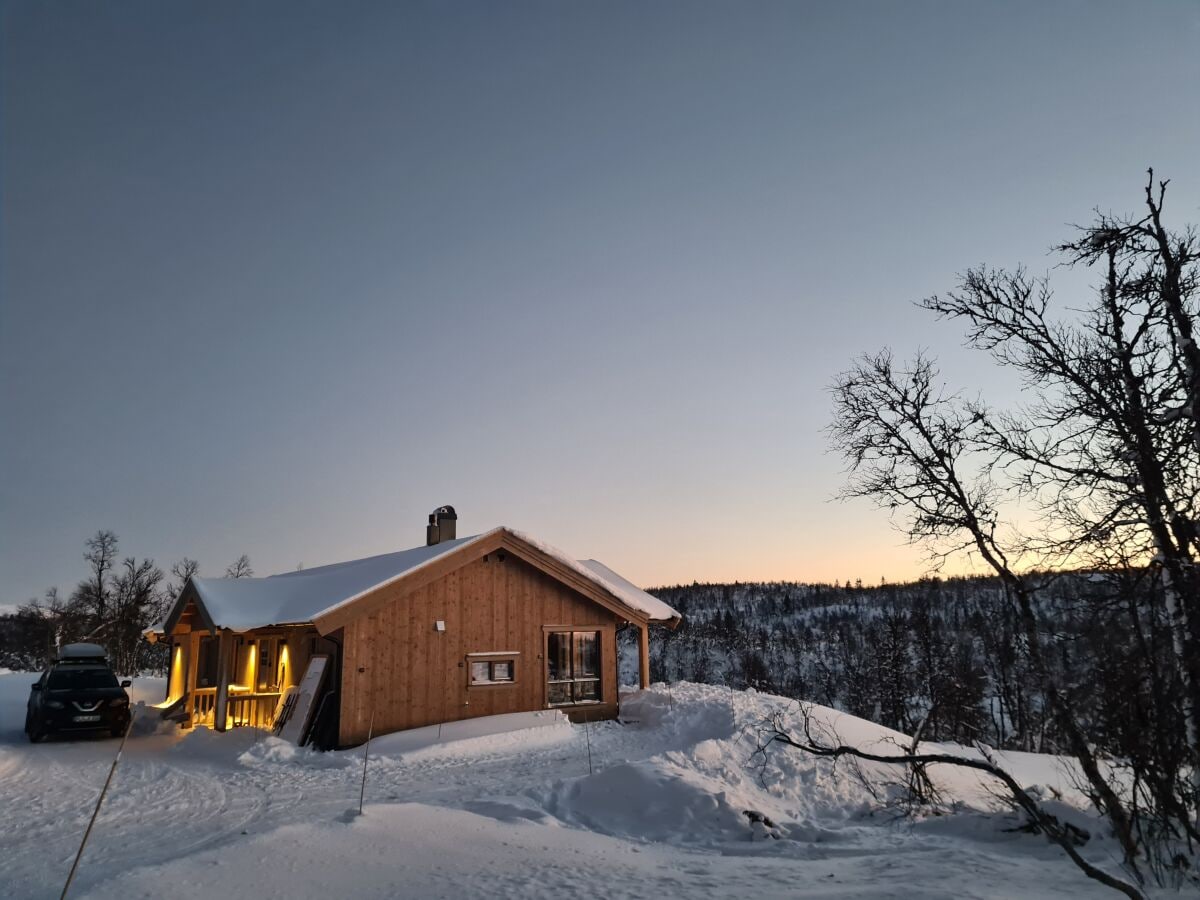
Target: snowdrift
x,y
651,802
677,803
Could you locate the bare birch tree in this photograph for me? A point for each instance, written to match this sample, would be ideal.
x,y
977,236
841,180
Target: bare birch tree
x,y
1107,449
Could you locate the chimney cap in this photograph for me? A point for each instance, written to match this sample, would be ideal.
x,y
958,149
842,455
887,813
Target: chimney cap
x,y
443,512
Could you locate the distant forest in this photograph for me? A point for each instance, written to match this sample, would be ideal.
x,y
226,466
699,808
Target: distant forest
x,y
942,656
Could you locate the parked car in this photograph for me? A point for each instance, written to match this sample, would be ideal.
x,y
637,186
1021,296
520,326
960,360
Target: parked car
x,y
79,692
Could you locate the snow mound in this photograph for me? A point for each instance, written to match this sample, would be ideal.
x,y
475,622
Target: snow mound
x,y
147,720
516,814
507,809
702,712
483,731
661,803
273,750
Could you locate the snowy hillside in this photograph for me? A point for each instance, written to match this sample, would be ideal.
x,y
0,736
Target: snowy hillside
x,y
508,815
947,651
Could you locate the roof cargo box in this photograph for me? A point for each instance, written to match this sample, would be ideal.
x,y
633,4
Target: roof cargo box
x,y
92,653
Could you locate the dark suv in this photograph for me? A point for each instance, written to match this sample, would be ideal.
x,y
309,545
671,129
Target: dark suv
x,y
79,692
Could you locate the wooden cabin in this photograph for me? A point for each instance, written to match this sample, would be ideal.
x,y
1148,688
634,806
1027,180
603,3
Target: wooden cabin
x,y
462,627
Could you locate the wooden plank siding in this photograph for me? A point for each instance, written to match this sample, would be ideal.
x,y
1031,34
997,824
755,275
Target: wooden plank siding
x,y
399,667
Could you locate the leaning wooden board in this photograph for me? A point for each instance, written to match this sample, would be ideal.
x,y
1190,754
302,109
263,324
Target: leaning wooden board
x,y
284,708
295,729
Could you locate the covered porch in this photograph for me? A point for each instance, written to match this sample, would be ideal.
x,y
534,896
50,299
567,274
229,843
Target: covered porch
x,y
223,679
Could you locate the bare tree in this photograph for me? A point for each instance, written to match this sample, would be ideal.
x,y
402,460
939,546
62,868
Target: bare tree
x,y
911,449
136,600
240,568
1106,447
93,591
181,572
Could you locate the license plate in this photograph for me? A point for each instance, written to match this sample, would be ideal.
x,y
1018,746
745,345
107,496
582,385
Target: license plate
x,y
86,719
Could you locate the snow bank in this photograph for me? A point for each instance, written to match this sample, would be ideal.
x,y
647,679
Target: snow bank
x,y
399,743
650,802
271,750
515,814
147,720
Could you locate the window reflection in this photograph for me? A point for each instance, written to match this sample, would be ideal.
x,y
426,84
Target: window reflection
x,y
573,667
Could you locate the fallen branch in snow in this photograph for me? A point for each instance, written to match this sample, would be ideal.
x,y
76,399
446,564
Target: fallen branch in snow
x,y
776,732
921,789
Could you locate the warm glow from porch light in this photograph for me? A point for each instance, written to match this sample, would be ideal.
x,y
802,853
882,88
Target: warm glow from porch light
x,y
283,665
175,684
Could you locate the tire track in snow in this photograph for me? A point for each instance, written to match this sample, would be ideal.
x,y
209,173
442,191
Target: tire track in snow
x,y
155,811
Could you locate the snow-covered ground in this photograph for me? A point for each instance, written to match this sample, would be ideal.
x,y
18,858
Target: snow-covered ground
x,y
515,814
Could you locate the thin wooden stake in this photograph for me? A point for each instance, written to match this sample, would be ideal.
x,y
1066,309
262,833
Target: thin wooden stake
x,y
95,812
587,734
366,752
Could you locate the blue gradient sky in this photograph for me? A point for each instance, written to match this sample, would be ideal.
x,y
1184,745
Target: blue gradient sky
x,y
279,278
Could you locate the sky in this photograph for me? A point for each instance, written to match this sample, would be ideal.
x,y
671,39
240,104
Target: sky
x,y
281,278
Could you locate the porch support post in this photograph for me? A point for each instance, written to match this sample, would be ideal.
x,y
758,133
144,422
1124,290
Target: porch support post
x,y
220,707
644,655
170,639
189,684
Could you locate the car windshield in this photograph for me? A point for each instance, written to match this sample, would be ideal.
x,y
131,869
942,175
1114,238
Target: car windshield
x,y
81,679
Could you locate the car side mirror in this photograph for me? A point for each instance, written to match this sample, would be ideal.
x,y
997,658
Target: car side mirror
x,y
126,683
37,685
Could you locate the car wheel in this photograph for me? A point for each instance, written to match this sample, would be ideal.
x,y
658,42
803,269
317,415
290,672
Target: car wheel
x,y
36,733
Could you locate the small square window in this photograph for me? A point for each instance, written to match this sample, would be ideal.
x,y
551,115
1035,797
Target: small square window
x,y
492,671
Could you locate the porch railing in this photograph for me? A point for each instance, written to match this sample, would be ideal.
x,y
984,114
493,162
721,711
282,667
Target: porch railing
x,y
254,710
243,708
204,701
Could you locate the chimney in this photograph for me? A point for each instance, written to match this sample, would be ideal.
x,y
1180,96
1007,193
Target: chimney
x,y
443,522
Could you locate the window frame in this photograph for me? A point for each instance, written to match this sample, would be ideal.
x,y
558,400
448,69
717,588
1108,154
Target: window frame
x,y
602,635
491,659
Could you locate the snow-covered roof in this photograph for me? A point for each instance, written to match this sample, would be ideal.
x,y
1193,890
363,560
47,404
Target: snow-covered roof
x,y
293,598
630,592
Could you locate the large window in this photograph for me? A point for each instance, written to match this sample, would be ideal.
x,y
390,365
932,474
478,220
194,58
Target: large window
x,y
573,667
